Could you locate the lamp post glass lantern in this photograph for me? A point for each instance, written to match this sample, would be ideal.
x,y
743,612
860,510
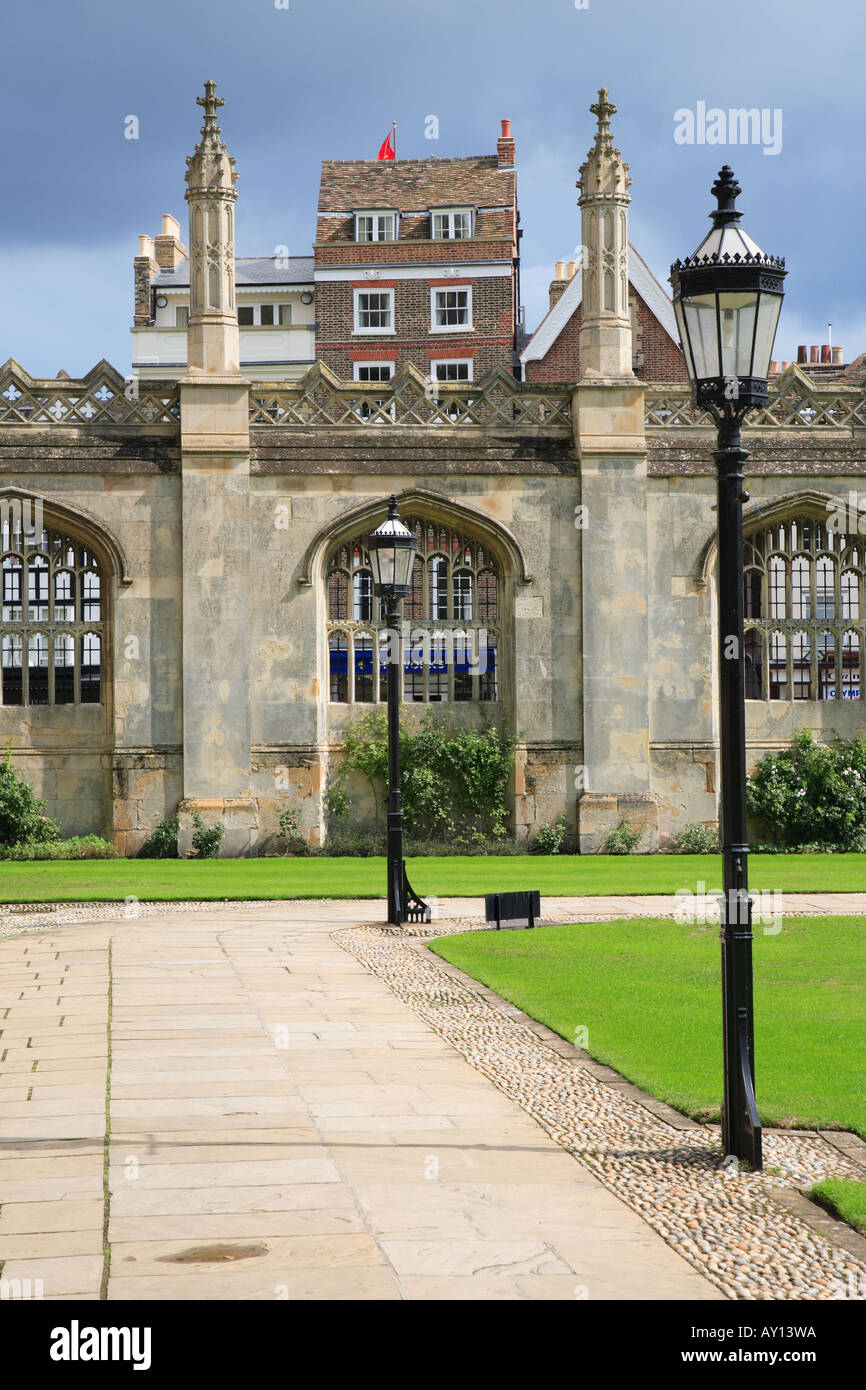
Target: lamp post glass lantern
x,y
391,550
727,299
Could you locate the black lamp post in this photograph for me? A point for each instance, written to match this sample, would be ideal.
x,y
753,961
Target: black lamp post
x,y
391,548
727,299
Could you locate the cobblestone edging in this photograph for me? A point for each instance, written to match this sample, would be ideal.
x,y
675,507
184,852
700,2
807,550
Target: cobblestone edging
x,y
724,1223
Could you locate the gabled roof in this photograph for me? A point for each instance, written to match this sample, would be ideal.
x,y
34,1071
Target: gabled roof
x,y
641,279
249,271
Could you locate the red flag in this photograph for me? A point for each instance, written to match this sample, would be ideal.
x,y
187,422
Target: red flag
x,y
387,150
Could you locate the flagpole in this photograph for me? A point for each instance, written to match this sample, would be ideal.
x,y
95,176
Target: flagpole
x,y
394,137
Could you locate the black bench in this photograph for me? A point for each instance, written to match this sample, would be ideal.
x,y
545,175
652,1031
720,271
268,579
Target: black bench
x,y
511,907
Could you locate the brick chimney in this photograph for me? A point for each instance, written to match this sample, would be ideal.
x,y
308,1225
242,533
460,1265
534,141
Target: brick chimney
x,y
558,283
170,250
505,147
145,267
564,271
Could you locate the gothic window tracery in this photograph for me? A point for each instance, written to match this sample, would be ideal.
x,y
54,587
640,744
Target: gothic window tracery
x,y
450,643
803,596
51,618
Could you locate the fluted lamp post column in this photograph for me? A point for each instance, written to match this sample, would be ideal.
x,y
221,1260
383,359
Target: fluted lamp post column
x,y
727,300
391,548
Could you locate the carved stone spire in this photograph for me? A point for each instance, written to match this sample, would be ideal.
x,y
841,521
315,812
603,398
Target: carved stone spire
x,y
605,333
213,321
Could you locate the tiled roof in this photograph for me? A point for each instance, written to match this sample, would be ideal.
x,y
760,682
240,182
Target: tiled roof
x,y
412,185
249,270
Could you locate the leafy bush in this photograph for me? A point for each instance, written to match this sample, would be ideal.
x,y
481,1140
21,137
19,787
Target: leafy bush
x,y
694,839
161,843
623,839
206,839
438,849
453,781
78,847
812,848
811,794
289,819
22,813
337,805
343,843
549,838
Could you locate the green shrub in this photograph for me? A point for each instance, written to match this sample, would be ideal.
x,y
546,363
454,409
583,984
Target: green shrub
x,y
78,847
22,813
549,838
161,843
289,819
694,839
362,844
206,839
337,805
440,849
623,839
811,794
453,781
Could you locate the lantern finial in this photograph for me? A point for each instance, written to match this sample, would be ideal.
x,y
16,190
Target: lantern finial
x,y
726,190
392,507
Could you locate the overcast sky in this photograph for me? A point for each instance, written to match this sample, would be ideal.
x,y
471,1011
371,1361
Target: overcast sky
x,y
324,79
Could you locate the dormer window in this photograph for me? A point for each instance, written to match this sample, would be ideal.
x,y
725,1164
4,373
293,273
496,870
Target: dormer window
x,y
452,224
375,226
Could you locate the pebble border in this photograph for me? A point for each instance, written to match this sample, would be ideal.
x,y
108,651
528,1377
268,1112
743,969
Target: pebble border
x,y
724,1222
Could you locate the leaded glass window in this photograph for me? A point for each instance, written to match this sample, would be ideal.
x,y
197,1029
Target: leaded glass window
x,y
450,649
51,618
803,604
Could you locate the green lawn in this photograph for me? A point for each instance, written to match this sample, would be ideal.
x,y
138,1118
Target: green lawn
x,y
100,880
648,995
845,1198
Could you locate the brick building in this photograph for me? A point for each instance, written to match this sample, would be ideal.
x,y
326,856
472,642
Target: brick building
x,y
553,351
416,260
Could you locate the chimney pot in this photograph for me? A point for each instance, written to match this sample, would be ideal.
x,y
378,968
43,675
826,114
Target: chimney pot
x,y
785,366
801,353
837,357
145,246
505,147
571,269
774,368
825,352
813,353
169,249
559,272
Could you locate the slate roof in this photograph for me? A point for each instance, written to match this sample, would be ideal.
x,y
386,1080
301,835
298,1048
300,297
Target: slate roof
x,y
249,270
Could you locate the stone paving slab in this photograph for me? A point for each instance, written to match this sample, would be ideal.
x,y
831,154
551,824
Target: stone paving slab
x,y
269,1088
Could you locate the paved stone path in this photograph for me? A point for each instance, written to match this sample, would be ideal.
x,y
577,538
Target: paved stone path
x,y
269,1090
